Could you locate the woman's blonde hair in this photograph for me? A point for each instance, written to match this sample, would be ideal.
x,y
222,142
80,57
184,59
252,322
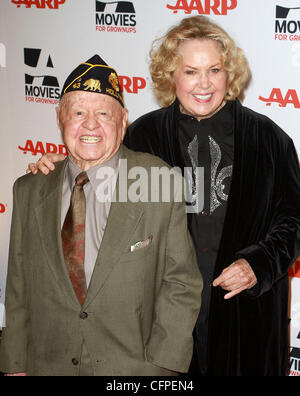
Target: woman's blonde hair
x,y
165,58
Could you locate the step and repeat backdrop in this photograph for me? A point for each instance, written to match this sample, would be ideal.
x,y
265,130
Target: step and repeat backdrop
x,y
41,41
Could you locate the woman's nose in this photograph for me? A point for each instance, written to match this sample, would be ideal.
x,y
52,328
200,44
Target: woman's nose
x,y
204,81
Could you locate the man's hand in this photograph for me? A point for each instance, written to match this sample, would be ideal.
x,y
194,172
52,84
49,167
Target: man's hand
x,y
45,164
237,277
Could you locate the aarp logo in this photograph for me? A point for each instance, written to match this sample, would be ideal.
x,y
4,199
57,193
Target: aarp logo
x,y
203,7
282,99
132,85
42,148
50,4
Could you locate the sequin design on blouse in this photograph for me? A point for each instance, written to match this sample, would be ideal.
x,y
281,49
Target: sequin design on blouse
x,y
217,186
217,181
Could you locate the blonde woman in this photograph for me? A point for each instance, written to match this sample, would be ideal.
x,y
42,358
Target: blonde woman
x,y
247,232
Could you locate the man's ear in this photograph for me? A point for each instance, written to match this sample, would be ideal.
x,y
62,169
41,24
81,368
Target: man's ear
x,y
124,123
58,118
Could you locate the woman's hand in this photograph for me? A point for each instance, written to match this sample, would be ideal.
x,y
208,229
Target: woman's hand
x,y
45,164
236,278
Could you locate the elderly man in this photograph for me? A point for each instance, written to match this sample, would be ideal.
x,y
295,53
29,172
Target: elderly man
x,y
97,287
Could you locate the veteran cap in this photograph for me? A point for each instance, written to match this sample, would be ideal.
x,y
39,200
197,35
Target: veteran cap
x,y
94,76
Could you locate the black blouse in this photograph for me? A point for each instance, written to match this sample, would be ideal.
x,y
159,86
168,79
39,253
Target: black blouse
x,y
208,144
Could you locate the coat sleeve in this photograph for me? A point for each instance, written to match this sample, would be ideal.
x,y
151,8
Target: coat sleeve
x,y
271,258
179,299
13,347
143,136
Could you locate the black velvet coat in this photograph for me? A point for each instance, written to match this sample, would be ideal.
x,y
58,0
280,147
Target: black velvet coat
x,y
248,335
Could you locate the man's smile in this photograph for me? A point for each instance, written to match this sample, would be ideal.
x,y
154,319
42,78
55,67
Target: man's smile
x,y
90,139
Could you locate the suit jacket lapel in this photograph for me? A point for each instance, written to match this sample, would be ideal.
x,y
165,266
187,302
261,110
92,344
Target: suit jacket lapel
x,y
122,220
48,216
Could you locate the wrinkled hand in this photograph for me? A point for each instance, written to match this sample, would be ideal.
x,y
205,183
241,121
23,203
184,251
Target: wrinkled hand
x,y
237,277
45,164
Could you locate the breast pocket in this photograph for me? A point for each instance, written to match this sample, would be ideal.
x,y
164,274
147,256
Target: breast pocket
x,y
136,252
131,274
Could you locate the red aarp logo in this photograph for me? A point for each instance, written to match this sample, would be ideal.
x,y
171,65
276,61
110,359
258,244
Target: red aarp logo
x,y
204,7
40,148
282,100
51,4
132,85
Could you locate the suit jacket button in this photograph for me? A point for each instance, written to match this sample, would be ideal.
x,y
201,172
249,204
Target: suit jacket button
x,y
83,315
75,362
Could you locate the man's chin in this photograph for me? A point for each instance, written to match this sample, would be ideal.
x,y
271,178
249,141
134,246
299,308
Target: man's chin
x,y
87,161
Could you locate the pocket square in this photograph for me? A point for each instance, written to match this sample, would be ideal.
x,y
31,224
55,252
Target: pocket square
x,y
141,244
